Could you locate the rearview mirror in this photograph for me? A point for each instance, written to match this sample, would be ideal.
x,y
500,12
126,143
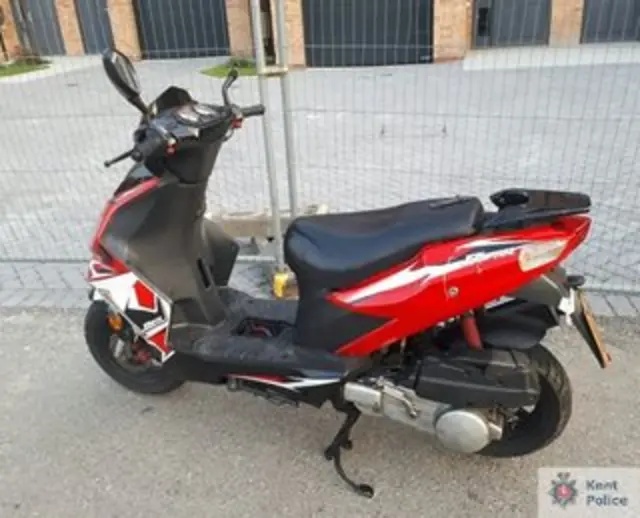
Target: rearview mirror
x,y
123,76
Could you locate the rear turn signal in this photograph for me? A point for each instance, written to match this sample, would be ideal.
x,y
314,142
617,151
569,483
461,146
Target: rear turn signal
x,y
537,255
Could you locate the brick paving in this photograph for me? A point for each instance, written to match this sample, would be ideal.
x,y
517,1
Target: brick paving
x,y
61,285
364,137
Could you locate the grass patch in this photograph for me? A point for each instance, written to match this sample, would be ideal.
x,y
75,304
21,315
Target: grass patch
x,y
22,66
245,67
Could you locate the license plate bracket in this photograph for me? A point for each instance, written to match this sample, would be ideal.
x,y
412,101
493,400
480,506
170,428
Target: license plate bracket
x,y
586,324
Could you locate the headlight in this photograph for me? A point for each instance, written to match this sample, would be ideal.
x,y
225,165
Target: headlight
x,y
536,255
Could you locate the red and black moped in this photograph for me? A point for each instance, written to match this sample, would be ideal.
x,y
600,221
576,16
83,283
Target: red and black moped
x,y
430,313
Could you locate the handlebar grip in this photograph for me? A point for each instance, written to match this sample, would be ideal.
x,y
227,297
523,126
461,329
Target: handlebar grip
x,y
254,111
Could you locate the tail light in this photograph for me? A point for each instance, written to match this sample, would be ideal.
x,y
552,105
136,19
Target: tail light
x,y
536,255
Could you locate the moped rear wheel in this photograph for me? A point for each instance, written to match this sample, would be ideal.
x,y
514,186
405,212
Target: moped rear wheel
x,y
528,431
129,364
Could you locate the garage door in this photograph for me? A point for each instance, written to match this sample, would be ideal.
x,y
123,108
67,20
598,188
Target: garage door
x,y
367,32
38,20
95,25
188,28
611,20
511,22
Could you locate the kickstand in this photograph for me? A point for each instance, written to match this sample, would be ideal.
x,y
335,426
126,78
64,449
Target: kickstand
x,y
342,441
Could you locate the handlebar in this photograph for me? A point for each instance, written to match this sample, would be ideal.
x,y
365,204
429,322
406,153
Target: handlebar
x,y
155,137
119,158
151,143
253,111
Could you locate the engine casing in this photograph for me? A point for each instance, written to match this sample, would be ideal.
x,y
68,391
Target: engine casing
x,y
459,429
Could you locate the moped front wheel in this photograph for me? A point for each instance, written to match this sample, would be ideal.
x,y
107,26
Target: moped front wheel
x,y
129,364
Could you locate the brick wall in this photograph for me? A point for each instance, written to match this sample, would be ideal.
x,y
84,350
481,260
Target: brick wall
x,y
295,31
70,27
239,26
451,38
566,22
451,29
9,31
124,28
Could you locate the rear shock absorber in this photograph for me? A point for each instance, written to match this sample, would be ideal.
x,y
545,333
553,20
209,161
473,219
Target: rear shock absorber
x,y
470,330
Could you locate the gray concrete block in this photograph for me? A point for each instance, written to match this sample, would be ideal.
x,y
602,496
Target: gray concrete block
x,y
73,276
599,305
50,299
7,272
11,285
635,300
73,299
51,276
33,298
30,279
622,306
11,298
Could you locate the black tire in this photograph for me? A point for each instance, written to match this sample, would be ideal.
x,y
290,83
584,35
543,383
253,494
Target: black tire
x,y
98,337
549,417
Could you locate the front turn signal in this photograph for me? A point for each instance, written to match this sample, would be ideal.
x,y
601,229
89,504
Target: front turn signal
x,y
115,322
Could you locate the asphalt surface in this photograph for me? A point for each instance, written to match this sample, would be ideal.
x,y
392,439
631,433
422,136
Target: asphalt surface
x,y
74,444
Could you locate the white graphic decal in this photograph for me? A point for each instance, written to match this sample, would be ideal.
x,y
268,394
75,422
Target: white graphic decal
x,y
292,385
414,273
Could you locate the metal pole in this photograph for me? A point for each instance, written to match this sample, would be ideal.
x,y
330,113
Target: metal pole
x,y
256,29
285,88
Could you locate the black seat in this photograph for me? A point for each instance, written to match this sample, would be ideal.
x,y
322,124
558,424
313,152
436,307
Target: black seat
x,y
338,250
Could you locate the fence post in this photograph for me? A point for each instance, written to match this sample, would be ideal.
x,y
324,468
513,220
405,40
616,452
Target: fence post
x,y
285,88
262,73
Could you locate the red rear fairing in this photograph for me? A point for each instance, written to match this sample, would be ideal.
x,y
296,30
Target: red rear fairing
x,y
448,279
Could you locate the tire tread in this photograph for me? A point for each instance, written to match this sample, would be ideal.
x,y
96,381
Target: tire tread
x,y
551,371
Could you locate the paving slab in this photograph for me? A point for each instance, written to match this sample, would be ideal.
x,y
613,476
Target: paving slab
x,y
33,285
622,305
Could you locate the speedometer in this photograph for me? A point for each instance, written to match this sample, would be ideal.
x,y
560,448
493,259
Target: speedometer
x,y
188,115
205,110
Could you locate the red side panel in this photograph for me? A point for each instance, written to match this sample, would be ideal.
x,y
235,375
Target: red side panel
x,y
159,340
146,298
116,204
448,279
146,310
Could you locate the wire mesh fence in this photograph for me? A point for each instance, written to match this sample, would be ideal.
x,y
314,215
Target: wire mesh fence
x,y
393,101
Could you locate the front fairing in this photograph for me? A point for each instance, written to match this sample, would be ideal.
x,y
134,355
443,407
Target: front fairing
x,y
136,175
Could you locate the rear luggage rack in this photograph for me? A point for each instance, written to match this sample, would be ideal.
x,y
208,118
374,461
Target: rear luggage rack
x,y
518,208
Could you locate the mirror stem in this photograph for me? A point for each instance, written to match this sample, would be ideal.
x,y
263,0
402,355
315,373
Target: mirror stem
x,y
139,103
